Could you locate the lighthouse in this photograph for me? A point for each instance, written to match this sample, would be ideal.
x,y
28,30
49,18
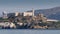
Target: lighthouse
x,y
32,12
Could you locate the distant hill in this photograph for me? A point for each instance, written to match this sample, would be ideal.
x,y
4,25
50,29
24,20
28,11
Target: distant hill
x,y
52,13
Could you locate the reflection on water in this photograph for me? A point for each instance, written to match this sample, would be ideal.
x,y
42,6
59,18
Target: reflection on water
x,y
19,31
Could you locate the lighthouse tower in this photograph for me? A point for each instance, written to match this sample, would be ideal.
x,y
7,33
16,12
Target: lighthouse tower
x,y
32,12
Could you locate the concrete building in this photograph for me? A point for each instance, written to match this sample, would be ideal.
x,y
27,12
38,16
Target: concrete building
x,y
29,13
42,18
11,15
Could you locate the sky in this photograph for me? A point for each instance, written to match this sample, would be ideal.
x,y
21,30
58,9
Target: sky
x,y
25,5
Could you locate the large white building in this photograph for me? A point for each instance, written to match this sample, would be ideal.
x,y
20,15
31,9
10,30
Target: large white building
x,y
29,13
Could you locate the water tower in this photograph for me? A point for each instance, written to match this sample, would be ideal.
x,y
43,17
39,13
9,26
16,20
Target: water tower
x,y
4,14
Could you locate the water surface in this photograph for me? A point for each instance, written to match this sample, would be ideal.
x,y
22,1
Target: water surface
x,y
24,31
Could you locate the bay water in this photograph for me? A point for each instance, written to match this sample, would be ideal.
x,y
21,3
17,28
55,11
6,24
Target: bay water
x,y
28,31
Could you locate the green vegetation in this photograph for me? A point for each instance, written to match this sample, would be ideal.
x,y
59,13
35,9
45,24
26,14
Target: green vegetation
x,y
5,20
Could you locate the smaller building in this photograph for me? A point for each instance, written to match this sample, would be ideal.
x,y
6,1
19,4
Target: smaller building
x,y
42,18
16,13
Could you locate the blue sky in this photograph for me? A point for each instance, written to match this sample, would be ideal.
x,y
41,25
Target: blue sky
x,y
24,5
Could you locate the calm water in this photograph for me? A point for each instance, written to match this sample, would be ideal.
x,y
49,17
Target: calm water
x,y
29,31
